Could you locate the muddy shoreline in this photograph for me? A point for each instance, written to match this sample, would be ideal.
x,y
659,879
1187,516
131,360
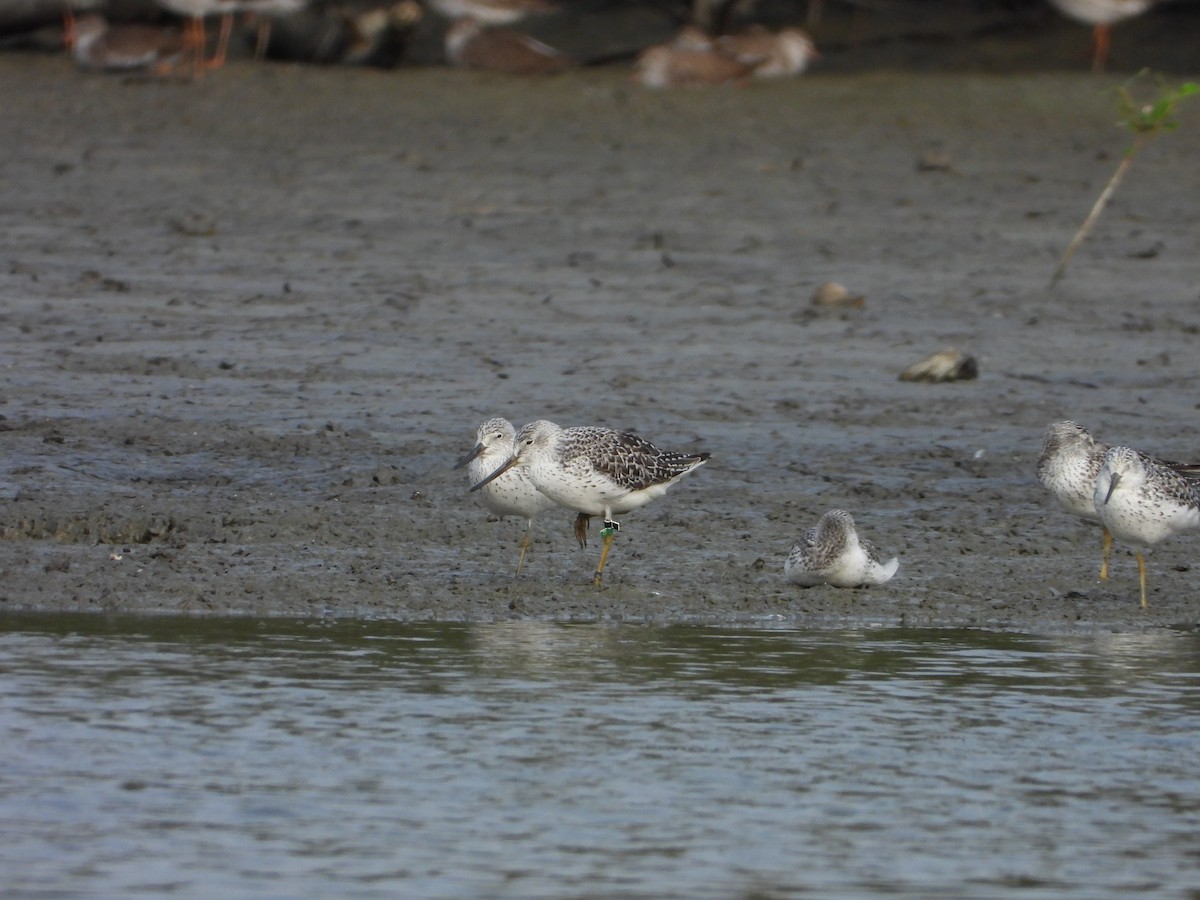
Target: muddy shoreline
x,y
250,323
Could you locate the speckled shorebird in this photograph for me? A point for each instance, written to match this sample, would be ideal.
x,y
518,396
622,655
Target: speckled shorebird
x,y
690,60
834,554
509,494
1069,465
596,471
770,54
1101,15
97,44
1142,502
470,45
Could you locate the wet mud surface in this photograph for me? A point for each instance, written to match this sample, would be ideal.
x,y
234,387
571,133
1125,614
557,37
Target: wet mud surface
x,y
249,324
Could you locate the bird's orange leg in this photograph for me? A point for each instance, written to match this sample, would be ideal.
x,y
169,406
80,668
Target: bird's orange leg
x,y
1101,37
193,44
222,50
69,28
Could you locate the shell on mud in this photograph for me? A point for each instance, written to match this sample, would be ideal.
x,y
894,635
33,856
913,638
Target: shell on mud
x,y
934,160
946,365
832,294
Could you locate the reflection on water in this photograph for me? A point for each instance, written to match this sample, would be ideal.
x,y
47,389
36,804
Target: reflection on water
x,y
529,759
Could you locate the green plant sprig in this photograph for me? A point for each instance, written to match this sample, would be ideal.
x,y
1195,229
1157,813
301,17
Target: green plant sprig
x,y
1146,120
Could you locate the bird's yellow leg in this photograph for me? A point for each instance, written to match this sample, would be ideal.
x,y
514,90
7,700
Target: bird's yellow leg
x,y
1108,542
610,528
525,542
1142,576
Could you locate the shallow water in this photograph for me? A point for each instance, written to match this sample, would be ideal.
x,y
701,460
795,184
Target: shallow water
x,y
526,759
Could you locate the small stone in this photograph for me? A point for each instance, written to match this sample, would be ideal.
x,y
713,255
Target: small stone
x,y
946,365
933,161
832,294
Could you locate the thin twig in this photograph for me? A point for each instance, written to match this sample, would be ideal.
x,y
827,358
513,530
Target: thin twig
x,y
1097,208
1145,120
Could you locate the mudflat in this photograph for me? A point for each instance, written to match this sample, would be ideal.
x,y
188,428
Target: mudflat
x,y
248,324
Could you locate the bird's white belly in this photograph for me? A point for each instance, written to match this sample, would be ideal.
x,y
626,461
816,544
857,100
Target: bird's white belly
x,y
589,491
850,569
1135,523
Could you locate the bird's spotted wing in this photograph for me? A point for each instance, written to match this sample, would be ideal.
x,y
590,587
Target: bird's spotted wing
x,y
628,460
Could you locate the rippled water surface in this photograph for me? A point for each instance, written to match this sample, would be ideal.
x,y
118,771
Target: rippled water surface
x,y
273,758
